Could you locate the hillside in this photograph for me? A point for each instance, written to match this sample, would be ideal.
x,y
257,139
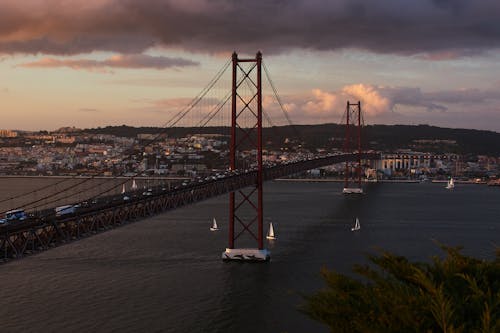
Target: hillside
x,y
377,137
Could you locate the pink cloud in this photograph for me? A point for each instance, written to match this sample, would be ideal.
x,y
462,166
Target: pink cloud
x,y
377,102
323,105
374,103
131,61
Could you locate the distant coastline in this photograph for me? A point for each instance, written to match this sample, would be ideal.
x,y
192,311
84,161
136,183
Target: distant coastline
x,y
304,180
94,177
411,181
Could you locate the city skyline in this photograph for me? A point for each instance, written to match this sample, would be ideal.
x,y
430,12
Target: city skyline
x,y
110,62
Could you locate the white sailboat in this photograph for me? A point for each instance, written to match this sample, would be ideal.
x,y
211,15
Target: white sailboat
x,y
270,233
214,226
357,226
134,185
450,184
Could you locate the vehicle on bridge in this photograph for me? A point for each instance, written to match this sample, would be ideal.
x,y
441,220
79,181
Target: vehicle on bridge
x,y
13,216
66,209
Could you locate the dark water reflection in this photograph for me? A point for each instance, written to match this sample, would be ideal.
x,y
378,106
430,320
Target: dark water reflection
x,y
164,274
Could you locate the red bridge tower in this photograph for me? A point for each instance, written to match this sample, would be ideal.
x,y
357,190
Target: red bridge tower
x,y
352,143
246,206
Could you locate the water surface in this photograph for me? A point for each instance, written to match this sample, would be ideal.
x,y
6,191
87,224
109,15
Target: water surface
x,y
164,274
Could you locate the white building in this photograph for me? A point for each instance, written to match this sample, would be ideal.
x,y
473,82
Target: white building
x,y
404,161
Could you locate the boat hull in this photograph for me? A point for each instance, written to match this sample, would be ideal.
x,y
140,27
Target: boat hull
x,y
246,255
352,190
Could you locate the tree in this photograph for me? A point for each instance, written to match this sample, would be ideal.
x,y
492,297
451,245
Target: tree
x,y
455,294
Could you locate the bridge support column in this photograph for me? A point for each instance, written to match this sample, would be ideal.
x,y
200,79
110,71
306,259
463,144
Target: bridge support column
x,y
352,182
246,205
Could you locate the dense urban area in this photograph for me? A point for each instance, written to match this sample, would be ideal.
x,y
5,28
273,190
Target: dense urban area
x,y
75,152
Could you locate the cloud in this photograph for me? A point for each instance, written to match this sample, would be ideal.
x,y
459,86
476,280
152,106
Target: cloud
x,y
181,112
372,98
448,54
4,90
131,61
321,102
88,110
377,102
434,30
178,103
323,105
464,96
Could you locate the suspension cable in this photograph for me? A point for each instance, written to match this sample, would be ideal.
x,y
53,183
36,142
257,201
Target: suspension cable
x,y
282,106
169,124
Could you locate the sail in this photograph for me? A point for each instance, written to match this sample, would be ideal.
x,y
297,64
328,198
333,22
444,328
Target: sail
x,y
214,226
270,233
357,226
123,188
271,230
134,185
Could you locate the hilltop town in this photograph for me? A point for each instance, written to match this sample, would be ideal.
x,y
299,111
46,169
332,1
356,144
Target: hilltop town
x,y
186,152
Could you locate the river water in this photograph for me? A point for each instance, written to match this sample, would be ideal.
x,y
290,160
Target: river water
x,y
164,274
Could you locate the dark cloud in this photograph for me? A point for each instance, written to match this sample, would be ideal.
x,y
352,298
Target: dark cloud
x,y
135,61
464,96
450,27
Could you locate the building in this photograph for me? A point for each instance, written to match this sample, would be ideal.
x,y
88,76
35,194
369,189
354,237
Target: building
x,y
405,162
7,134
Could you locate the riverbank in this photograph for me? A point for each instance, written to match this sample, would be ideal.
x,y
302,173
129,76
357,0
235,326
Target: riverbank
x,y
405,181
336,180
93,177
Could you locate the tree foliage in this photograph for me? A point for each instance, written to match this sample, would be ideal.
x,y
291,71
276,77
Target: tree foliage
x,y
453,294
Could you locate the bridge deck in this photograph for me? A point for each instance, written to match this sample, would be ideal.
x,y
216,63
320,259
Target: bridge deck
x,y
46,230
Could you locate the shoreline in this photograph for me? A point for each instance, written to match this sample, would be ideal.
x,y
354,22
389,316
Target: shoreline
x,y
94,177
310,180
407,181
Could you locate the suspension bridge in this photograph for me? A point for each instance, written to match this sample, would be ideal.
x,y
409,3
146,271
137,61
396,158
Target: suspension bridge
x,y
49,220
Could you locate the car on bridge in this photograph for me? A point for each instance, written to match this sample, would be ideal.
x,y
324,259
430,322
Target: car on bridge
x,y
13,216
66,210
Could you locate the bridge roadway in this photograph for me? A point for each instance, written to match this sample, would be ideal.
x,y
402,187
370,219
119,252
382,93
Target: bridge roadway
x,y
44,230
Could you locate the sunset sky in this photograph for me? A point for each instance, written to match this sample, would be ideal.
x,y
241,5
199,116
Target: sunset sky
x,y
111,62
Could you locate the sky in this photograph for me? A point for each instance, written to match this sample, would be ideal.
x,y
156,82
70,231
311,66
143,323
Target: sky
x,y
111,62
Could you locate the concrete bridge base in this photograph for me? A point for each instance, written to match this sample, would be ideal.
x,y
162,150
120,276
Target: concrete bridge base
x,y
246,255
352,190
